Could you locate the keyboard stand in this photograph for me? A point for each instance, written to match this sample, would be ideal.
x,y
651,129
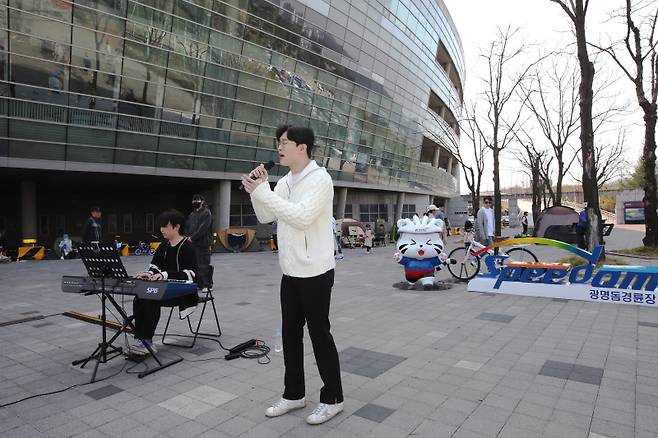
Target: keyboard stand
x,y
104,262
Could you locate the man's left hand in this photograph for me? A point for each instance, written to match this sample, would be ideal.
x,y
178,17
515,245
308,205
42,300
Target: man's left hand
x,y
250,184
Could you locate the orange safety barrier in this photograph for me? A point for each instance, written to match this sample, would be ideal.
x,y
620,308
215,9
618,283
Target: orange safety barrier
x,y
154,245
31,252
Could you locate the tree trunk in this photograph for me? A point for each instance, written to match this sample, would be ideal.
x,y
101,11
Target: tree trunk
x,y
536,196
649,158
496,181
560,177
476,201
590,187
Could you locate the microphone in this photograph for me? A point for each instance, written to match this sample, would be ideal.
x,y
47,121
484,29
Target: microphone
x,y
268,166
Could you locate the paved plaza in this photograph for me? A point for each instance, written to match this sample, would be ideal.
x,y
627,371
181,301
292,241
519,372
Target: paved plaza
x,y
423,364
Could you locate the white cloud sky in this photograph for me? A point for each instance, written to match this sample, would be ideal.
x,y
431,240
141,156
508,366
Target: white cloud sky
x,y
544,23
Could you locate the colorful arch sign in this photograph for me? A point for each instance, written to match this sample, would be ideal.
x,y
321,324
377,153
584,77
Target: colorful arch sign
x,y
613,284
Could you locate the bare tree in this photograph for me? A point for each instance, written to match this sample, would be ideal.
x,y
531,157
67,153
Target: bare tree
x,y
502,119
551,96
576,10
638,59
610,160
471,159
532,161
548,194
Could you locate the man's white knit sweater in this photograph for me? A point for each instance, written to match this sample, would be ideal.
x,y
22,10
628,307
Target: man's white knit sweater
x,y
303,212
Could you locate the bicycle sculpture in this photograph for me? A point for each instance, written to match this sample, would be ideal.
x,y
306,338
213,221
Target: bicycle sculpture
x,y
420,249
466,259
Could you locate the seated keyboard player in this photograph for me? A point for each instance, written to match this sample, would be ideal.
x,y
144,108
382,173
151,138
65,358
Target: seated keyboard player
x,y
174,259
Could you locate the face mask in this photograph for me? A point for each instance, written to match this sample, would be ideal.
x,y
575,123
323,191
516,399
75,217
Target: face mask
x,y
196,204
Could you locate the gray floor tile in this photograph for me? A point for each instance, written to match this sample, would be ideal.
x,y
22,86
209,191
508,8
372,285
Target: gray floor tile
x,y
104,391
572,372
367,363
202,350
374,412
496,317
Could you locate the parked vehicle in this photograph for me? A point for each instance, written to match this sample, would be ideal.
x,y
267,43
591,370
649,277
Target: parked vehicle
x,y
143,248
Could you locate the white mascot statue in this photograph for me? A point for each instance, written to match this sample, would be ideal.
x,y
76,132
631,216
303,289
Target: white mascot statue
x,y
420,249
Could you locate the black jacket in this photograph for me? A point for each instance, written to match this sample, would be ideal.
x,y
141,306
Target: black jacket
x,y
197,227
91,231
179,262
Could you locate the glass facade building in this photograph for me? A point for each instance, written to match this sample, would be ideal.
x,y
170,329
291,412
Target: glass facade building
x,y
196,88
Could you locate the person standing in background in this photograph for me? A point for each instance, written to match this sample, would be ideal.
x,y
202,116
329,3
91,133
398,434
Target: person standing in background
x,y
198,230
275,237
91,231
338,253
439,214
484,222
367,244
524,222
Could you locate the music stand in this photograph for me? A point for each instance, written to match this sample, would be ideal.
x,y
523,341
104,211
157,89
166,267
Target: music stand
x,y
102,261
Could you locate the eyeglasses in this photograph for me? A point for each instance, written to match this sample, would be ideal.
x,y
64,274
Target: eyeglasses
x,y
286,142
487,202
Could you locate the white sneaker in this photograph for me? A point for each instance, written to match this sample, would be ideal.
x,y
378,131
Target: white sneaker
x,y
324,412
283,406
139,347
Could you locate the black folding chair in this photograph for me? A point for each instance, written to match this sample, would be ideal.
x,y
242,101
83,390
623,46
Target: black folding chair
x,y
204,299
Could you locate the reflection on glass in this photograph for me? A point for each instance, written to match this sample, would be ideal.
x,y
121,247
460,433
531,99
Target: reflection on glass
x,y
192,71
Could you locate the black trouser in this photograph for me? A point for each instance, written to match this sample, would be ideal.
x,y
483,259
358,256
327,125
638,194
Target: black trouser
x,y
203,273
308,300
525,228
147,313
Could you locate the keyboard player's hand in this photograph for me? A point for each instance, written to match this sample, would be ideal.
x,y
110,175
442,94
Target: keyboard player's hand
x,y
143,275
156,277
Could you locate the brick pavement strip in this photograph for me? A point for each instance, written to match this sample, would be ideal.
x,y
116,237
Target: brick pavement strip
x,y
425,364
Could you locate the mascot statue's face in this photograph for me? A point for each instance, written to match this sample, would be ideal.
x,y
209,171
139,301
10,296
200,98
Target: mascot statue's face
x,y
419,238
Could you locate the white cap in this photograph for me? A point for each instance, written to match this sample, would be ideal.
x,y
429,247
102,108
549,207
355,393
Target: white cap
x,y
430,207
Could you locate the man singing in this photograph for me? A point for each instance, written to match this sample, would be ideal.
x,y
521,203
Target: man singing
x,y
301,203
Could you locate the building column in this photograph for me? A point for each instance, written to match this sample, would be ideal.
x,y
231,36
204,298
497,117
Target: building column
x,y
437,155
342,199
449,167
400,204
221,204
28,210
